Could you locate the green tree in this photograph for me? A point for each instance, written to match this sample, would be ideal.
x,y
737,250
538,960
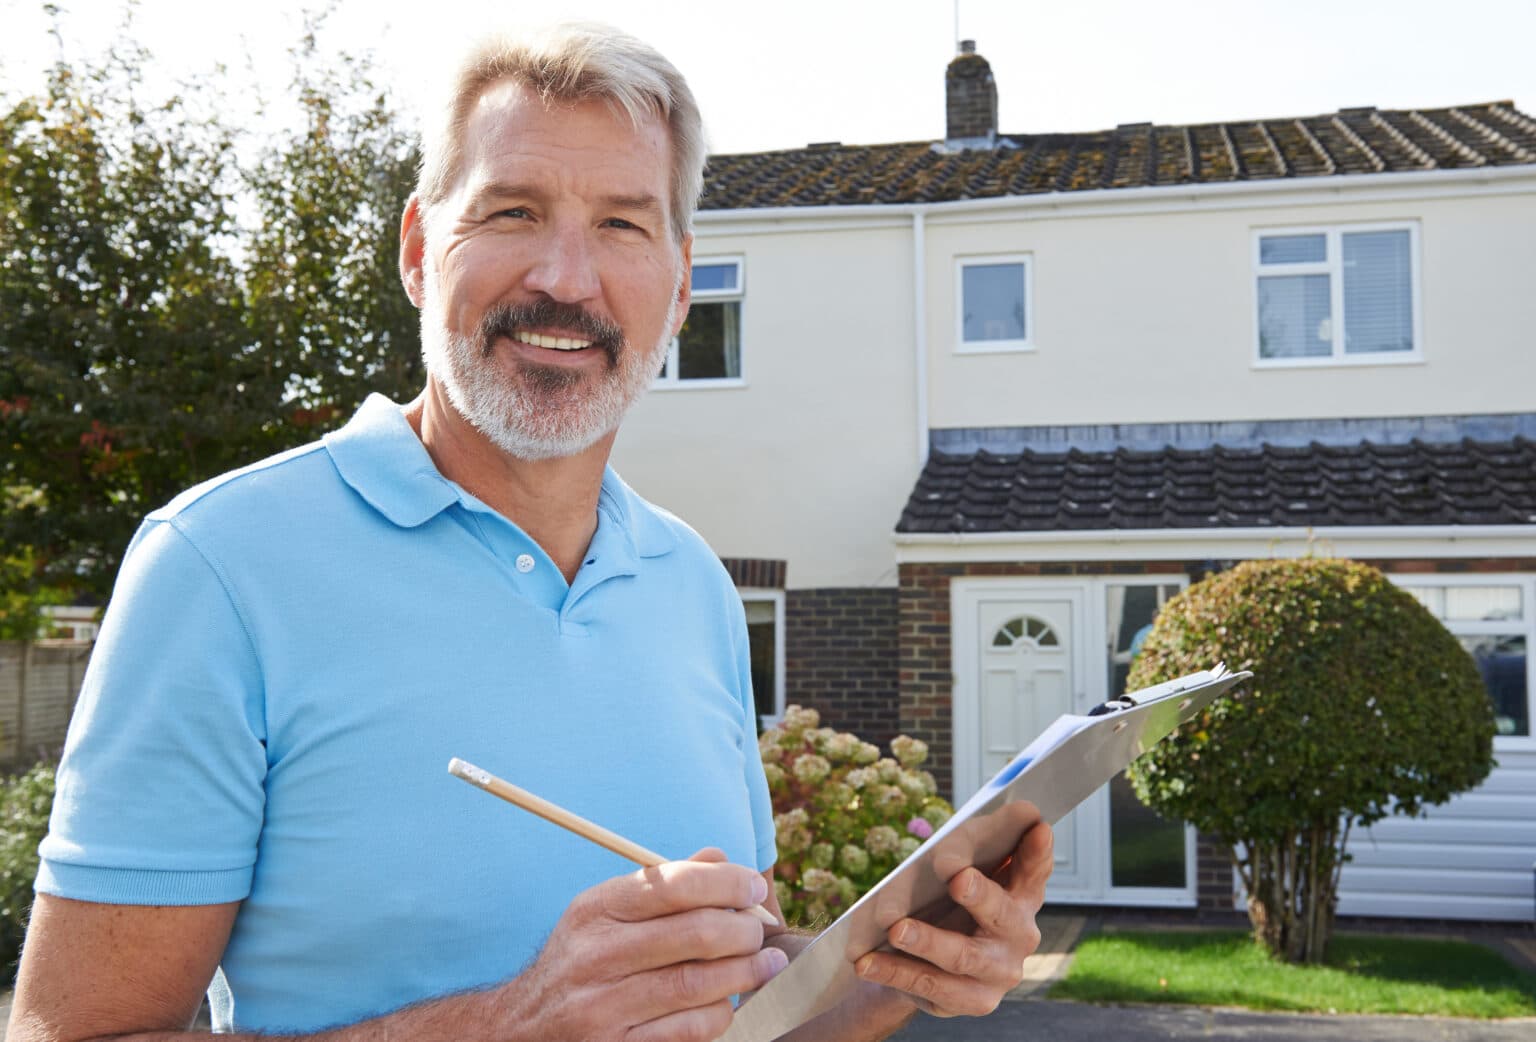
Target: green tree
x,y
23,600
179,297
125,356
325,299
1361,705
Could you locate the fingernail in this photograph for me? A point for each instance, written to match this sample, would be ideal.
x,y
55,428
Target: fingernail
x,y
901,935
770,962
759,890
969,890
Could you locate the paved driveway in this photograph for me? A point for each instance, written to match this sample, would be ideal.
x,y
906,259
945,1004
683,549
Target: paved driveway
x,y
1048,1021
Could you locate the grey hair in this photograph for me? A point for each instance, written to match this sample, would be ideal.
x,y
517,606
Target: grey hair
x,y
573,62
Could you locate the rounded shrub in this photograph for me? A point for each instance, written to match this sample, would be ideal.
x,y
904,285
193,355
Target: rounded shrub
x,y
1361,705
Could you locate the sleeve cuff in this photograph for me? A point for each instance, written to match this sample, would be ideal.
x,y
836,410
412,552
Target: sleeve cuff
x,y
137,886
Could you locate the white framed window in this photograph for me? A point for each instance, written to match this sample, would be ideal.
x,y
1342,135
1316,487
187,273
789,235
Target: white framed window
x,y
994,305
1494,618
1337,295
707,351
765,638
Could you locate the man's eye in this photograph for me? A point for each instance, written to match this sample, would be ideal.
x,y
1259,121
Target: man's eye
x,y
515,211
619,222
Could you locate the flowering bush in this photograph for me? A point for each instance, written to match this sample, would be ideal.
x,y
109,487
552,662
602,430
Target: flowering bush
x,y
845,815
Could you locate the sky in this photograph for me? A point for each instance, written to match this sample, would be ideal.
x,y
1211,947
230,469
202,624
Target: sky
x,y
782,73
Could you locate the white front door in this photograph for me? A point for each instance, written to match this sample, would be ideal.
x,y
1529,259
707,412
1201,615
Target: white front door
x,y
1028,670
1024,652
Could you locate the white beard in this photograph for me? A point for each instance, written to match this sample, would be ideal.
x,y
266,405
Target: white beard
x,y
536,415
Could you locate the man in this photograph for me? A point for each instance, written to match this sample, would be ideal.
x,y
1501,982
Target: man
x,y
254,787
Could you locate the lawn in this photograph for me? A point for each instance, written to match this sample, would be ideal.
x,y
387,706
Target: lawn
x,y
1363,975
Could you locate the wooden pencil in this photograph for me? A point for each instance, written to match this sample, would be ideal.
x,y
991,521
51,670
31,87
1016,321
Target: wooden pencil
x,y
625,848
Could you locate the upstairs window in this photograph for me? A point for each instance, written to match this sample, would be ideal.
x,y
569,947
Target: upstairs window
x,y
707,350
1337,295
994,308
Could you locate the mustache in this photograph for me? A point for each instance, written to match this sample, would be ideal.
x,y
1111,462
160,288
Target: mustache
x,y
504,319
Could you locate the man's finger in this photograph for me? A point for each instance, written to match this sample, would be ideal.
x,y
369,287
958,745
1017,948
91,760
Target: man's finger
x,y
1033,860
697,934
701,1024
690,985
942,994
987,959
680,886
998,911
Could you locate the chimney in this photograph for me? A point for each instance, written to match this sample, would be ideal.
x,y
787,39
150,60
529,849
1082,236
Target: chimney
x,y
970,97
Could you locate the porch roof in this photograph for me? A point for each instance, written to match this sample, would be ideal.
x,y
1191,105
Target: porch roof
x,y
1364,483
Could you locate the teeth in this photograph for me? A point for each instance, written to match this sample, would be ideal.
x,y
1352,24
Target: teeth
x,y
557,343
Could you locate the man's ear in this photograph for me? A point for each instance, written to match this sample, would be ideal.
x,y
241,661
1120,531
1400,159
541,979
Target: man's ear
x,y
684,286
413,249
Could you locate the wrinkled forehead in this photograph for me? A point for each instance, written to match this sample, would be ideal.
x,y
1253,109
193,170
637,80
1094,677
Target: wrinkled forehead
x,y
510,118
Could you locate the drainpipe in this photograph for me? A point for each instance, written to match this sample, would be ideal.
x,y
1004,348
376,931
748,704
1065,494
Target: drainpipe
x,y
920,327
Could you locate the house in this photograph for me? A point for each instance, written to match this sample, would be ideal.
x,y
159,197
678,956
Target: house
x,y
959,415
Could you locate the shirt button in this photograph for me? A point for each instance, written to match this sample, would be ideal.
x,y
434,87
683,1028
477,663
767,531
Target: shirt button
x,y
525,563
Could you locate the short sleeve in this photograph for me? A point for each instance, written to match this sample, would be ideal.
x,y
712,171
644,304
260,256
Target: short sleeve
x,y
161,788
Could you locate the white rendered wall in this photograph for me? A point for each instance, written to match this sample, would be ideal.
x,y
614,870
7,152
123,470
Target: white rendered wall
x,y
812,459
1144,313
1149,317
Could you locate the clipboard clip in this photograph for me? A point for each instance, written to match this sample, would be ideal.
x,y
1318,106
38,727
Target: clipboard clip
x,y
1114,705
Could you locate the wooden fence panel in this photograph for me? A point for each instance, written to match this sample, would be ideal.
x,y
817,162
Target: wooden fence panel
x,y
39,685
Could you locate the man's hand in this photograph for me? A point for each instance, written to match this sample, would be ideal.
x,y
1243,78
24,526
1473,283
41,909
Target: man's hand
x,y
950,973
654,955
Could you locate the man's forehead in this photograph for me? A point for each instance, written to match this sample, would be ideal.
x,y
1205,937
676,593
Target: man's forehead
x,y
510,126
509,100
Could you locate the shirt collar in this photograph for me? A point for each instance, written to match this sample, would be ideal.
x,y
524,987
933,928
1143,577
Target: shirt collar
x,y
645,527
380,456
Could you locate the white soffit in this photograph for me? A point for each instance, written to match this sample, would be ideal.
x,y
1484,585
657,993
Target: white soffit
x,y
1198,544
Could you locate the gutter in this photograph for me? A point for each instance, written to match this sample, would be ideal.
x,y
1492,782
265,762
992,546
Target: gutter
x,y
1198,543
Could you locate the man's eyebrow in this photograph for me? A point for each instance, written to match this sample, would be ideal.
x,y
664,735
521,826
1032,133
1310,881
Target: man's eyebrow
x,y
642,201
501,190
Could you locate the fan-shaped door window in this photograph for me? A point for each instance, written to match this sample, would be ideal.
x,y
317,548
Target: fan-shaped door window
x,y
1026,630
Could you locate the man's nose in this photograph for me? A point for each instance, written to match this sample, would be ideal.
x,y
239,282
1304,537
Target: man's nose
x,y
566,267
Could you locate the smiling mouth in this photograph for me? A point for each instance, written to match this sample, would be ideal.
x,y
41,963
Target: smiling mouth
x,y
554,343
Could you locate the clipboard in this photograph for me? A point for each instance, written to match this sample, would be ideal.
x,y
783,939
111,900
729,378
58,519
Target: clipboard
x,y
1055,772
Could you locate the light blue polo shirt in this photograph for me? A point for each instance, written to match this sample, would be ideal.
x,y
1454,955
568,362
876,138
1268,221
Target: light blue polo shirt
x,y
292,655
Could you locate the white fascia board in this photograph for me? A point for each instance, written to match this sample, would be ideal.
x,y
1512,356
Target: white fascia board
x,y
1197,544
1226,195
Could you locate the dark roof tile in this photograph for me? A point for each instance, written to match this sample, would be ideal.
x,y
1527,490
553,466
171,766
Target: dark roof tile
x,y
1352,141
1369,483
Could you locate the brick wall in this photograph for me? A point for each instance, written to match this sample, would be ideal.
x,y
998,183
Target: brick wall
x,y
1213,877
840,658
970,98
1474,566
756,572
